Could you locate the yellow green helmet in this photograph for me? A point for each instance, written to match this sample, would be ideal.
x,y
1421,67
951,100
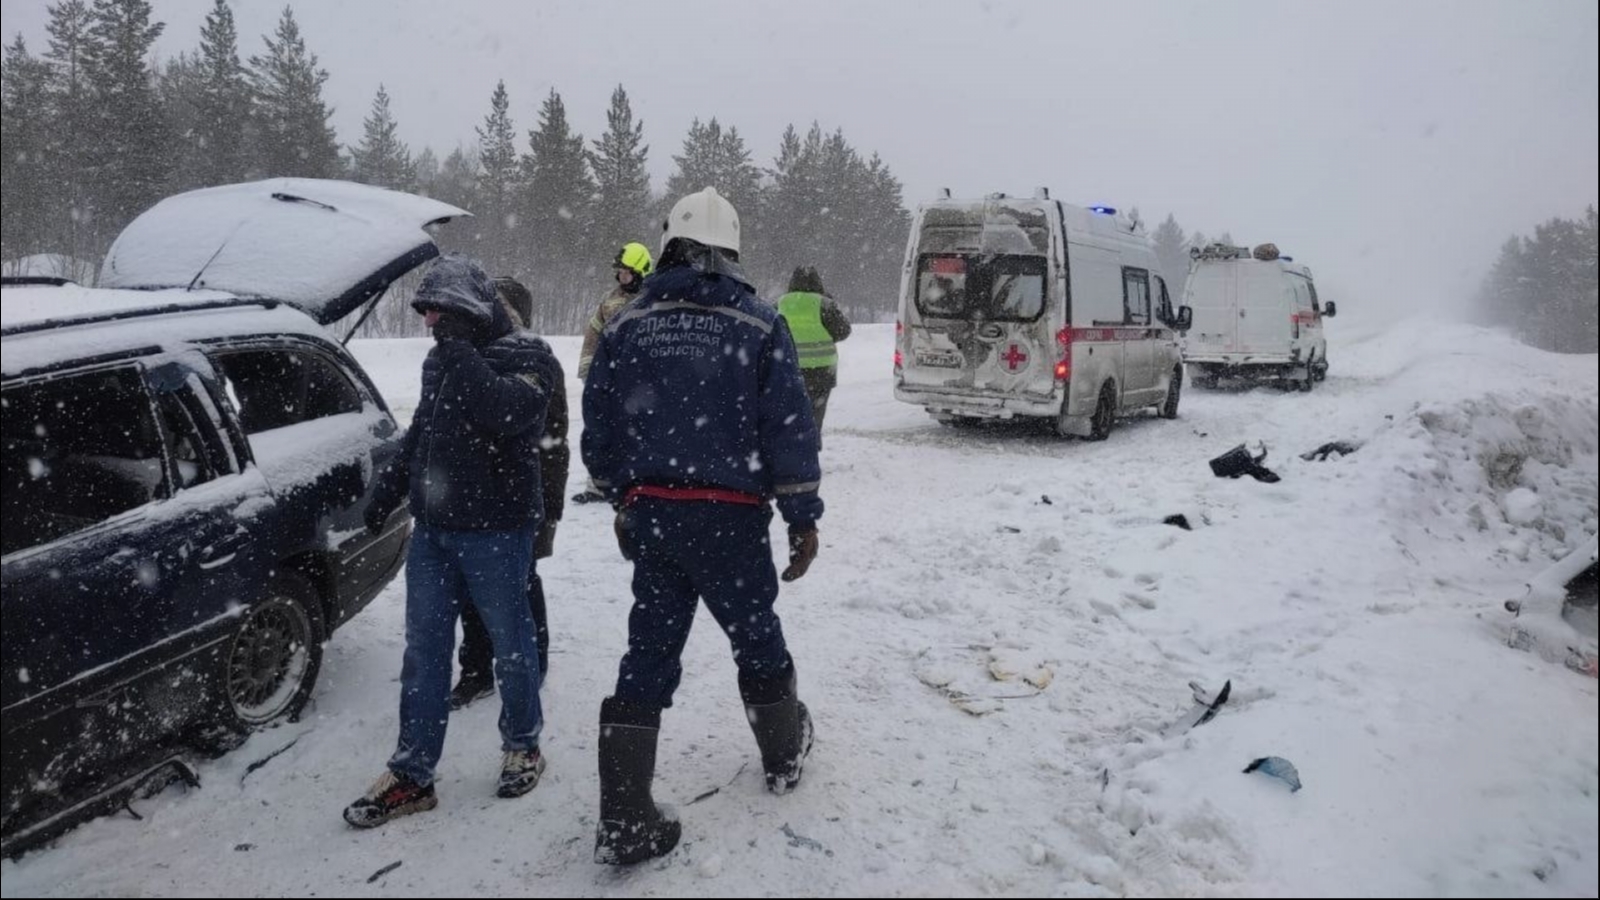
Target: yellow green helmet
x,y
636,258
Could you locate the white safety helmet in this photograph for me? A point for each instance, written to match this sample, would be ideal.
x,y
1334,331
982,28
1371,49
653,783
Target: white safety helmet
x,y
705,217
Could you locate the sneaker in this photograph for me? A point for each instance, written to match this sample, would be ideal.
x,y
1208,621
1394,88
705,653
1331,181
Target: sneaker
x,y
583,497
519,772
390,797
469,690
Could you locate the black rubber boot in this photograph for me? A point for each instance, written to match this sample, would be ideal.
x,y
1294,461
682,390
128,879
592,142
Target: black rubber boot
x,y
782,726
632,828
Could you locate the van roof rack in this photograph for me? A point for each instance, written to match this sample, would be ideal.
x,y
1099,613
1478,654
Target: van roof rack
x,y
1219,250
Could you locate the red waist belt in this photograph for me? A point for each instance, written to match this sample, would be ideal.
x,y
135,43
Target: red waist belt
x,y
714,495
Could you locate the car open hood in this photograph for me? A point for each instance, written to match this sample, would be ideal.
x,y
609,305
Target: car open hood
x,y
325,247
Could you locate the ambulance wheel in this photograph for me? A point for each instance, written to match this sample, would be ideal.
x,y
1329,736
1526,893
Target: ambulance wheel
x,y
1308,379
1105,413
1322,369
1169,409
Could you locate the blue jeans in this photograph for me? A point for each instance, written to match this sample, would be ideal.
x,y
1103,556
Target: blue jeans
x,y
685,552
443,568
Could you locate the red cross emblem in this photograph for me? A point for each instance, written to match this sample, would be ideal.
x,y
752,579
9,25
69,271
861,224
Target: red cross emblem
x,y
1015,357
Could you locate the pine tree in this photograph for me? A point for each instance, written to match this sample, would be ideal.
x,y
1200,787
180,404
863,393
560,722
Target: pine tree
x,y
132,143
382,158
71,111
179,89
877,292
622,183
457,180
25,204
1172,255
222,120
1544,289
557,193
295,137
496,180
717,157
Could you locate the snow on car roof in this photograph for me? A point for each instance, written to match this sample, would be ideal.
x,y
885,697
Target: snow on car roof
x,y
34,304
171,330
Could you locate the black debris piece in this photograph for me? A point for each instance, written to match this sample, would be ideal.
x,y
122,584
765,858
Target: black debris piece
x,y
1330,449
1240,461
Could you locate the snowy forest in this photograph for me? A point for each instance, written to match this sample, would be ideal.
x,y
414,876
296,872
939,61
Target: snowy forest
x,y
1544,288
95,133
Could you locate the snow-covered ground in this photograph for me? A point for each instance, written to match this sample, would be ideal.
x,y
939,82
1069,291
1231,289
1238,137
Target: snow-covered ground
x,y
994,641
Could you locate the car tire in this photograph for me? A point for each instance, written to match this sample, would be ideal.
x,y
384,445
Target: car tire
x,y
1105,413
267,668
1309,379
1169,408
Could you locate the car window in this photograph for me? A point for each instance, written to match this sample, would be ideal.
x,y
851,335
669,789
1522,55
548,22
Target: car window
x,y
200,451
1135,297
77,450
277,388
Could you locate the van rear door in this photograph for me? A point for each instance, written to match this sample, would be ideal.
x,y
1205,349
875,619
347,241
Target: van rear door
x,y
1213,296
1267,307
979,312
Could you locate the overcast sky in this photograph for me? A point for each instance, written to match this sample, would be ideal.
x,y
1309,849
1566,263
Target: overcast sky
x,y
1392,145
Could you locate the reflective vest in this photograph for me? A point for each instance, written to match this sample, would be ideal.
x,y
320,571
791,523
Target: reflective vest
x,y
803,312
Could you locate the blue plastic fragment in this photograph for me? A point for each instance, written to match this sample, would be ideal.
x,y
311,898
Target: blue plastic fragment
x,y
1278,768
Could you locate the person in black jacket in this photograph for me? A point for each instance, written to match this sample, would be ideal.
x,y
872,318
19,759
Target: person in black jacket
x,y
555,457
469,470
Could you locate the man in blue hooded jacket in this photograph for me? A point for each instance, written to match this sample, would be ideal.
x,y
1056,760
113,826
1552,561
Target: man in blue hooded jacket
x,y
469,469
695,418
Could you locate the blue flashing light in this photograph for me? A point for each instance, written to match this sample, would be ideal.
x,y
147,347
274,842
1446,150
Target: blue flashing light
x,y
1104,210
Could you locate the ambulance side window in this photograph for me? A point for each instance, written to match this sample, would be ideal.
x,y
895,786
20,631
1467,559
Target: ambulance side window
x,y
1135,297
1164,310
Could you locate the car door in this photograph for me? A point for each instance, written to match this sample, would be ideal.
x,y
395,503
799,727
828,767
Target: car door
x,y
1137,363
1166,352
319,436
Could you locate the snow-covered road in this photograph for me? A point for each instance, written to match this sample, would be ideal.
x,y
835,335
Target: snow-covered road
x,y
993,642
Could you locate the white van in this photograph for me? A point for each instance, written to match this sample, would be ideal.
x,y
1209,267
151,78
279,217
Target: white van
x,y
1255,315
1016,307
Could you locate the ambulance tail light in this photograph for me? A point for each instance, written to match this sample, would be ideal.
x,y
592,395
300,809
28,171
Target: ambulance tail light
x,y
1063,370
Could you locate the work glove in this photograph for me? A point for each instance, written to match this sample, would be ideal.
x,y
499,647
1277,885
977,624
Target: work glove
x,y
624,530
802,552
545,546
375,517
453,326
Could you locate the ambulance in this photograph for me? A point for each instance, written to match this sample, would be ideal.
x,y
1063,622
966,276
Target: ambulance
x,y
1256,315
1016,308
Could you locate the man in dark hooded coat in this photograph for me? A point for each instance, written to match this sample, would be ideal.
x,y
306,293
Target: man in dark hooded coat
x,y
469,470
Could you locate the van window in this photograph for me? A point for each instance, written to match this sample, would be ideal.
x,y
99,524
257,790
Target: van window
x,y
77,450
1135,297
980,288
1316,305
277,388
1164,310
